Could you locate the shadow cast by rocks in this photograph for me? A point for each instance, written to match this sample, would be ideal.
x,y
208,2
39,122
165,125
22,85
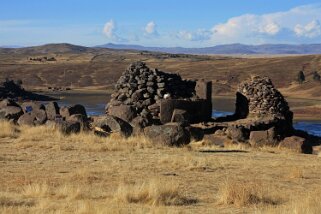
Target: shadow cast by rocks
x,y
223,151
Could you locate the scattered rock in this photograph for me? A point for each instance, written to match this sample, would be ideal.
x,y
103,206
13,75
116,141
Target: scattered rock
x,y
27,119
171,134
296,144
239,134
125,112
31,106
52,110
35,117
66,112
10,113
260,138
69,127
81,119
112,124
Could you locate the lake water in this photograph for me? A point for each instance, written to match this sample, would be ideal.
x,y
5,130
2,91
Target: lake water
x,y
95,105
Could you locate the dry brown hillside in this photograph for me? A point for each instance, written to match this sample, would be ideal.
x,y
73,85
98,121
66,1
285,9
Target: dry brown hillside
x,y
77,66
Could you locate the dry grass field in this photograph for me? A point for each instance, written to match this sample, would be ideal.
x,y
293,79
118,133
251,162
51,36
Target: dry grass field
x,y
43,171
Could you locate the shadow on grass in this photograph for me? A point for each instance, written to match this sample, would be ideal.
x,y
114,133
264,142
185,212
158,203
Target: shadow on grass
x,y
223,151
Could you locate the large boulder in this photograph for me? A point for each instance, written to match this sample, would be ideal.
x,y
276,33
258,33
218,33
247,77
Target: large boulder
x,y
66,112
32,106
138,124
112,124
171,134
52,110
69,127
265,137
81,119
33,118
27,119
10,113
296,144
239,134
125,112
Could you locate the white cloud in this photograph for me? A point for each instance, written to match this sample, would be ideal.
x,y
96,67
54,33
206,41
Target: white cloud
x,y
109,29
150,29
299,24
310,30
270,28
199,35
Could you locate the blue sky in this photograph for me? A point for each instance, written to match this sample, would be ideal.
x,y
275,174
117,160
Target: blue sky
x,y
189,23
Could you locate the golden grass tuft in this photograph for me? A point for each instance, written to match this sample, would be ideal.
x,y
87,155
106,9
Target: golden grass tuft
x,y
155,192
36,190
243,193
8,129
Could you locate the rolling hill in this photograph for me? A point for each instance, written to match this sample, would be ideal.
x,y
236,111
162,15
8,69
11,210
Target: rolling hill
x,y
79,67
228,49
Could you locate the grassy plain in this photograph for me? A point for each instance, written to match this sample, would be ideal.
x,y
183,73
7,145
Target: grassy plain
x,y
43,171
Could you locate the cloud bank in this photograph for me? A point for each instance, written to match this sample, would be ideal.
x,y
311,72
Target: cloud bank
x,y
297,25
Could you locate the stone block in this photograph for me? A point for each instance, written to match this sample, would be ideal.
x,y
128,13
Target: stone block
x,y
125,112
203,89
296,144
260,138
198,110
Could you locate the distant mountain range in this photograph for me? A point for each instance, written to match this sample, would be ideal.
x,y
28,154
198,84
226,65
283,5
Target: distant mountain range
x,y
219,49
227,49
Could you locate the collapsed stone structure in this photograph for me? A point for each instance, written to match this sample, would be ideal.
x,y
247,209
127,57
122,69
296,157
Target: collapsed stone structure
x,y
154,95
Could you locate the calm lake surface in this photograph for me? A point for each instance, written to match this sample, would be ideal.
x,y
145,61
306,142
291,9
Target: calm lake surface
x,y
95,103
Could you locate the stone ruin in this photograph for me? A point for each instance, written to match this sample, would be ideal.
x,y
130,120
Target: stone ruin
x,y
154,95
259,98
173,111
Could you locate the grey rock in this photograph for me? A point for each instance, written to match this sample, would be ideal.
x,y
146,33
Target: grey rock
x,y
10,113
112,124
52,110
125,112
169,134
